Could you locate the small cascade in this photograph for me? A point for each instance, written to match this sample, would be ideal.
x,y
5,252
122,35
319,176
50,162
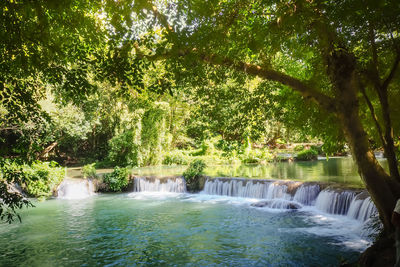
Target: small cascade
x,y
294,195
174,185
334,202
276,190
246,188
361,209
75,189
236,188
306,194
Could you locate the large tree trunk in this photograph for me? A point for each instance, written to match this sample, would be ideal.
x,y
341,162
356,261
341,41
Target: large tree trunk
x,y
378,183
383,189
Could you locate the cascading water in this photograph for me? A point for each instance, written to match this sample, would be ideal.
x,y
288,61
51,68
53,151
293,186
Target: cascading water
x,y
289,195
173,185
246,188
334,202
75,189
306,194
361,209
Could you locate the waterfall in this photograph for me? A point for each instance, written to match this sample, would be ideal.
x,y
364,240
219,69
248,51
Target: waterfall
x,y
246,188
175,185
292,195
236,188
75,189
334,202
361,209
306,194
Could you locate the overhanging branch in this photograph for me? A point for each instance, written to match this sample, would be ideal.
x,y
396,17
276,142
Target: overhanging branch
x,y
304,89
389,78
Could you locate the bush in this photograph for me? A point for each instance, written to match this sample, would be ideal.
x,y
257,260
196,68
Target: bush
x,y
117,180
123,150
89,171
38,179
317,148
307,154
298,148
175,157
256,156
43,179
193,174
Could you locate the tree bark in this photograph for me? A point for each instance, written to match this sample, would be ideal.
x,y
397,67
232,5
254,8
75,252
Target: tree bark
x,y
383,189
377,181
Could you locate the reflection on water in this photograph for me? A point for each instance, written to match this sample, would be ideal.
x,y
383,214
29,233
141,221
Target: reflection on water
x,y
178,229
338,170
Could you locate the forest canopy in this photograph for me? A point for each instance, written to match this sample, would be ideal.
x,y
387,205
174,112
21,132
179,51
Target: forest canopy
x,y
125,81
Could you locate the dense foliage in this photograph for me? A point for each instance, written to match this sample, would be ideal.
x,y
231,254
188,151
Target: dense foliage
x,y
117,180
307,154
89,171
135,80
193,174
38,179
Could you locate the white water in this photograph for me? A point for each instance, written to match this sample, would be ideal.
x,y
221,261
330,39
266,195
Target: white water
x,y
334,213
306,194
176,185
347,231
277,193
75,189
273,194
361,209
334,202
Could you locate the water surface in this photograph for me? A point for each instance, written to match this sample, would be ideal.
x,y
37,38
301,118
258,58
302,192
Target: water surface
x,y
153,229
340,170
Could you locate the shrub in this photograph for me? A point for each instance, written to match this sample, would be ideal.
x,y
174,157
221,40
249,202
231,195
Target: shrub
x,y
193,174
307,154
11,200
123,150
43,178
298,148
256,156
317,148
89,171
38,179
175,157
117,180
207,148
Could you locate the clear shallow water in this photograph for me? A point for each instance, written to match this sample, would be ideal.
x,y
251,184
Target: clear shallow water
x,y
176,229
336,170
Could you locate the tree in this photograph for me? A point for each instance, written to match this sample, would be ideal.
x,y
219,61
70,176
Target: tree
x,y
341,58
323,38
42,42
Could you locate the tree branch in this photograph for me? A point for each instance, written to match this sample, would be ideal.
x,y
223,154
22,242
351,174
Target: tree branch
x,y
389,78
305,90
373,115
162,19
